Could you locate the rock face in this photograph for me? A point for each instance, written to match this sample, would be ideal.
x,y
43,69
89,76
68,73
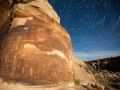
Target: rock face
x,y
82,72
37,49
7,13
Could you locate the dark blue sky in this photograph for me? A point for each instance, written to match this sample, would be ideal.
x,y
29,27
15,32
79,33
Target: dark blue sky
x,y
93,25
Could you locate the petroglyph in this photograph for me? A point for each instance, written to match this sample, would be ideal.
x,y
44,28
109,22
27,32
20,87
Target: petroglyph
x,y
56,52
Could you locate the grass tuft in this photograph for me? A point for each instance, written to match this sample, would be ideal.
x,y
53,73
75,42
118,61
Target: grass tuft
x,y
76,80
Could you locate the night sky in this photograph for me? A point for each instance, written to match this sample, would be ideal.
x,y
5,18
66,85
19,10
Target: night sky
x,y
93,25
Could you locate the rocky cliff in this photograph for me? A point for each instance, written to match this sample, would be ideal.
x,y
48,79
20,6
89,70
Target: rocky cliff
x,y
107,70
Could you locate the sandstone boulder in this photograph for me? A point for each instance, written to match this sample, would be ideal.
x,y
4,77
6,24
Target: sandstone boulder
x,y
37,49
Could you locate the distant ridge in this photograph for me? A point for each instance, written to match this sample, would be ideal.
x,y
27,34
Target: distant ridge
x,y
106,71
110,64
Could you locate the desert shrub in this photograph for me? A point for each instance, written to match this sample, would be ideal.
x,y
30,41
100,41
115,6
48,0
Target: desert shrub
x,y
94,71
107,87
76,80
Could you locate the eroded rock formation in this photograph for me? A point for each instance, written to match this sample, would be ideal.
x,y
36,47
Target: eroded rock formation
x,y
37,49
107,70
7,13
110,64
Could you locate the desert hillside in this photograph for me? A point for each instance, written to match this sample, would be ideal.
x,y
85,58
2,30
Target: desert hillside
x,y
107,71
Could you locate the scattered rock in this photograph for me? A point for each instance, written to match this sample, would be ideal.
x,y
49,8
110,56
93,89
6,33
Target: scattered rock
x,y
108,71
89,87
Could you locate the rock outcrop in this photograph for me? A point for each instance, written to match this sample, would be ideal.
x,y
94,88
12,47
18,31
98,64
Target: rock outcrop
x,y
82,72
5,18
7,13
37,49
108,76
110,64
107,70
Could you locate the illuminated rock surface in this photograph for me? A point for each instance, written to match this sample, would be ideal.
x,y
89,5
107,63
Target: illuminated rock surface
x,y
37,49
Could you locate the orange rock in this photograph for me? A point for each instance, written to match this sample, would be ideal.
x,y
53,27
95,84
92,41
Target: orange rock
x,y
37,50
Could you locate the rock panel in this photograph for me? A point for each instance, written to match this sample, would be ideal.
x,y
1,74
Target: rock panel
x,y
37,49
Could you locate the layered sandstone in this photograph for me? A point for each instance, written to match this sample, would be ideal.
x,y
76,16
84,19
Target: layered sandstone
x,y
37,50
7,13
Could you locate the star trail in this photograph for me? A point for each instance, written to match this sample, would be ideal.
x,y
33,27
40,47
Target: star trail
x,y
93,25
